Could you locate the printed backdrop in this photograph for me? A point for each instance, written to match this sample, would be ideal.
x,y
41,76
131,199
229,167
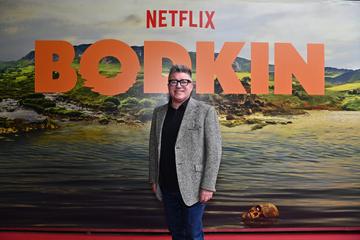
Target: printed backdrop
x,y
80,159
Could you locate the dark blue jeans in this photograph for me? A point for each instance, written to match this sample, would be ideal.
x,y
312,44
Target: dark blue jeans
x,y
184,222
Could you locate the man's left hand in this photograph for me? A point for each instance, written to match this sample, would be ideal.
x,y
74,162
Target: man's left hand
x,y
205,195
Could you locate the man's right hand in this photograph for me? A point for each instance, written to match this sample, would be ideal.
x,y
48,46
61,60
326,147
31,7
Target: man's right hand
x,y
153,185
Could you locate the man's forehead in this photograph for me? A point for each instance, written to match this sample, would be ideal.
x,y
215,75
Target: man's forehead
x,y
180,75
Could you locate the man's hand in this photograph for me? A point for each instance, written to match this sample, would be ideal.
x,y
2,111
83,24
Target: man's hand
x,y
205,195
153,186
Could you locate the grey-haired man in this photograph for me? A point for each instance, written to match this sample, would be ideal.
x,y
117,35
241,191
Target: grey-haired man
x,y
185,154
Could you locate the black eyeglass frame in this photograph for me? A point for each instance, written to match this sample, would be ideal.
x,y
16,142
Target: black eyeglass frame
x,y
183,82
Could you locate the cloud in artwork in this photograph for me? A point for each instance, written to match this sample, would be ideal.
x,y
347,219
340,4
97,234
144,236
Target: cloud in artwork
x,y
334,23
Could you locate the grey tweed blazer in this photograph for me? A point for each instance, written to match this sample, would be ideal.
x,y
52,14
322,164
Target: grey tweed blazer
x,y
197,150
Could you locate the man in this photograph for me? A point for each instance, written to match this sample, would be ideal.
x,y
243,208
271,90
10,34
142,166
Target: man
x,y
185,154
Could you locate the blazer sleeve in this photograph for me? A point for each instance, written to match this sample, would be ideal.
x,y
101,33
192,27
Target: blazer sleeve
x,y
153,150
213,150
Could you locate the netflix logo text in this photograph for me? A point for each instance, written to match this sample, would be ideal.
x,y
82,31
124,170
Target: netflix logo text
x,y
179,18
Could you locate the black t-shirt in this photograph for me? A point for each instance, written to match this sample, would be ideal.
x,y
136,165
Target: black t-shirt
x,y
168,177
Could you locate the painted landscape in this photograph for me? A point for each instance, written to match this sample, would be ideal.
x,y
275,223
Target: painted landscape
x,y
22,110
80,159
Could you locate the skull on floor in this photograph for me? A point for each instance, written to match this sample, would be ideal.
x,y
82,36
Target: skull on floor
x,y
261,212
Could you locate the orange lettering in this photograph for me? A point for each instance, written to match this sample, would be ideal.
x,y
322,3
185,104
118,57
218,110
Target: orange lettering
x,y
288,62
109,86
207,67
259,68
45,66
310,74
154,53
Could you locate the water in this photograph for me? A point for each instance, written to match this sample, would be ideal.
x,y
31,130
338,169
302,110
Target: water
x,y
96,176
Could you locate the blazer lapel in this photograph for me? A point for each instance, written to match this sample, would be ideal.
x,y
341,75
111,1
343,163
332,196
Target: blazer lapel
x,y
160,122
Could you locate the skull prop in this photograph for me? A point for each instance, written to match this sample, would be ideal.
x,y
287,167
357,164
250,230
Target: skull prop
x,y
261,212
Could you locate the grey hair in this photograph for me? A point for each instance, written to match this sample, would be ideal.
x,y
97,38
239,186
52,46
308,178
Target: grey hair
x,y
179,68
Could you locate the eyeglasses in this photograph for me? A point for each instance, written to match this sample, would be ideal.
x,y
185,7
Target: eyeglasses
x,y
183,82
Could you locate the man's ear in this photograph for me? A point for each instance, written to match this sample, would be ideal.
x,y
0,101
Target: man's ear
x,y
193,86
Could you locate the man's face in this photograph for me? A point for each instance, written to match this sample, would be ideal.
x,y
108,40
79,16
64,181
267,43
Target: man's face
x,y
180,93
